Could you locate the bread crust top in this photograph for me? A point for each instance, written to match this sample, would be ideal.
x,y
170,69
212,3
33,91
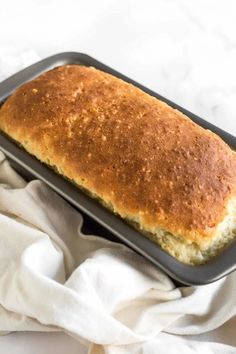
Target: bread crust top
x,y
145,159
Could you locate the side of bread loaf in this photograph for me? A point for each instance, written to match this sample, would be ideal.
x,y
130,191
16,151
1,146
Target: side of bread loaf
x,y
144,160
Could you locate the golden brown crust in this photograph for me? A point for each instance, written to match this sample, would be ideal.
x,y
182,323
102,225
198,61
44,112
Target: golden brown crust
x,y
144,158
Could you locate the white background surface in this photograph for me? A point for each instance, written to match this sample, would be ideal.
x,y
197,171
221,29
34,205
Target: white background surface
x,y
183,49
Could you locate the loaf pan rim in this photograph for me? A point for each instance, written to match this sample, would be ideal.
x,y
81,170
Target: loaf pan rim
x,y
215,269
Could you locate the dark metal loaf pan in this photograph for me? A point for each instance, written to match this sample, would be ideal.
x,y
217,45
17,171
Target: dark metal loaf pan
x,y
218,267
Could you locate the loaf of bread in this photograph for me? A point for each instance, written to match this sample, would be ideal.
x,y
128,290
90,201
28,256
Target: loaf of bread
x,y
145,161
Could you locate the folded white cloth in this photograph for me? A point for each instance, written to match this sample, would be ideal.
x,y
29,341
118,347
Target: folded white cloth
x,y
54,278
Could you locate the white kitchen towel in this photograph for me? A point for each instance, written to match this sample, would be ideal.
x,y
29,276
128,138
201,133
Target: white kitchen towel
x,y
54,278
